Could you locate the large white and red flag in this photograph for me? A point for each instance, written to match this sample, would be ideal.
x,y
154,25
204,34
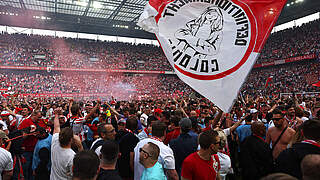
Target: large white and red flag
x,y
212,44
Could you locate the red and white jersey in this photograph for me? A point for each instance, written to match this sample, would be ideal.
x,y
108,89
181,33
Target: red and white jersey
x,y
76,123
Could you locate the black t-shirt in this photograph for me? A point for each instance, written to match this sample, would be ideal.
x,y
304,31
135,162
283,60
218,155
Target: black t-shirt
x,y
255,158
127,143
108,175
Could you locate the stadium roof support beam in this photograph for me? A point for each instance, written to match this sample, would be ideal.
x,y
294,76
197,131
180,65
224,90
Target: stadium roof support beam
x,y
116,11
23,6
87,8
55,6
136,18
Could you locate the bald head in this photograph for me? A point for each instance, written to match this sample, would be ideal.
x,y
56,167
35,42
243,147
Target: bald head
x,y
111,133
310,167
258,129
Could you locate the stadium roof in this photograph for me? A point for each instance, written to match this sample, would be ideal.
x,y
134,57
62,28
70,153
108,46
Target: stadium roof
x,y
103,16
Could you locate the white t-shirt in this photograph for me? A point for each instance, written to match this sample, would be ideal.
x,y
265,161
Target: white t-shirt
x,y
166,157
61,160
225,165
6,162
4,125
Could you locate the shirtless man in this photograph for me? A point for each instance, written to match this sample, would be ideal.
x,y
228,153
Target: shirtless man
x,y
274,132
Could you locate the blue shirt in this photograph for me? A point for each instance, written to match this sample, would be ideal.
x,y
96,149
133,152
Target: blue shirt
x,y
193,134
43,143
154,173
243,131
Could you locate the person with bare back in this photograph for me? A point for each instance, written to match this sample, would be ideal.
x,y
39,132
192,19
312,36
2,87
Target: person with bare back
x,y
280,135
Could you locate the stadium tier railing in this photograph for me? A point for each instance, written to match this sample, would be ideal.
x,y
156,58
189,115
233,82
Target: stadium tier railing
x,y
49,69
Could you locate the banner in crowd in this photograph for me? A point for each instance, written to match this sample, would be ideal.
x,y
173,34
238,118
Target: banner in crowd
x,y
60,95
49,69
288,60
212,44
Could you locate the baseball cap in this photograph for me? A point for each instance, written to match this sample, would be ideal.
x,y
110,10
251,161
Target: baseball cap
x,y
185,123
3,135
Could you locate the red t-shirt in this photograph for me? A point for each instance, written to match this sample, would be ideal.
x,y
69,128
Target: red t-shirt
x,y
193,167
172,135
30,141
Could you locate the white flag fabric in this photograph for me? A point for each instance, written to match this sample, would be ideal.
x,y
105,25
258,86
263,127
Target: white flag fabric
x,y
212,44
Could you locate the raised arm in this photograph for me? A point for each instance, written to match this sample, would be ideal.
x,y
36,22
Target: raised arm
x,y
112,109
97,106
26,102
70,104
12,101
4,104
235,125
56,123
218,117
274,106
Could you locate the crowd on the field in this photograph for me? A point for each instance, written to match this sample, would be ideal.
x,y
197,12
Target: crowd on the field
x,y
183,138
118,85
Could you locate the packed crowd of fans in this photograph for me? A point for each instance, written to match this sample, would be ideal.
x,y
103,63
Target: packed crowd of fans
x,y
187,138
292,42
46,51
296,77
288,78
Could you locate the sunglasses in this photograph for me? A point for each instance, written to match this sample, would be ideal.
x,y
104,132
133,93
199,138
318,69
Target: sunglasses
x,y
219,142
141,150
276,119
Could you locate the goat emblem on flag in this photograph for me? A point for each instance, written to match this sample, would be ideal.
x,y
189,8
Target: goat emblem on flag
x,y
212,44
